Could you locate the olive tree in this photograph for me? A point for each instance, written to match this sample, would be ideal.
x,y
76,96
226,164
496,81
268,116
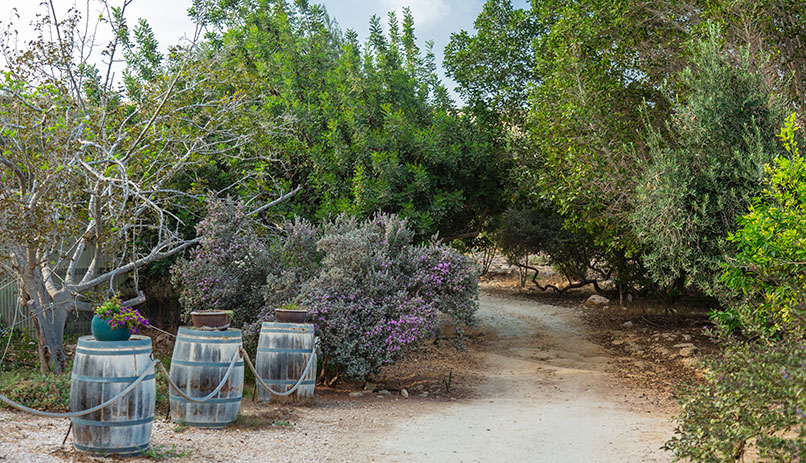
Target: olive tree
x,y
88,168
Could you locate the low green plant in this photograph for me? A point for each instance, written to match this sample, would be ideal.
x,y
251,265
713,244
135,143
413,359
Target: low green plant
x,y
180,427
764,286
282,423
163,452
42,391
293,306
21,353
750,396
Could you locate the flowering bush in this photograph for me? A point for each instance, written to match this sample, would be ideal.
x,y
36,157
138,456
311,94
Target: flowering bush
x,y
372,294
297,262
227,270
118,316
443,276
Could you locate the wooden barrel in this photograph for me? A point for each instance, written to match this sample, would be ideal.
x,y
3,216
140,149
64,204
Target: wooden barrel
x,y
283,351
200,361
102,369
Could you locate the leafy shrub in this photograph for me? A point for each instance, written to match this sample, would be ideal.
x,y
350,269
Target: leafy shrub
x,y
540,231
297,262
443,277
704,176
765,285
751,395
227,270
372,293
49,392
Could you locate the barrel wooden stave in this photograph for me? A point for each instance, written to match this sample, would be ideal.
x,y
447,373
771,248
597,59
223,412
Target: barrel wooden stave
x,y
282,354
102,369
199,362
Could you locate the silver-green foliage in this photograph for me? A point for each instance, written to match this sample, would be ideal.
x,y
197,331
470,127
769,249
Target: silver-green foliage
x,y
704,176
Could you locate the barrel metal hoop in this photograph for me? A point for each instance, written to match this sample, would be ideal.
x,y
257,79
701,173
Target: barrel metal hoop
x,y
125,451
228,333
114,352
136,341
269,327
104,424
228,400
209,341
288,382
288,331
187,363
98,379
283,351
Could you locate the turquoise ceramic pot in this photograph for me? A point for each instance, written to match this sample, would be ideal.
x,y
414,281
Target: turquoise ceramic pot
x,y
103,332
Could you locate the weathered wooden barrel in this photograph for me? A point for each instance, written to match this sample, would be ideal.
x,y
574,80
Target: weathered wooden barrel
x,y
102,369
283,351
200,361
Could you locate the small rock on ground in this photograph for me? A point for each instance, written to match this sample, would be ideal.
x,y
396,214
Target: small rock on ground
x,y
596,301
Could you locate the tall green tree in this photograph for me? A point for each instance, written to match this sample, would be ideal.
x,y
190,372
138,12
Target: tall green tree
x,y
704,174
368,128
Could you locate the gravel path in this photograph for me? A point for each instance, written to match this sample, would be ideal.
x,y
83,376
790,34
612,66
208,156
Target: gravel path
x,y
546,397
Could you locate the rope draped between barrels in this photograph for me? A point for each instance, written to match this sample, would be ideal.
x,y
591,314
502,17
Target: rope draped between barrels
x,y
120,394
210,395
155,363
265,386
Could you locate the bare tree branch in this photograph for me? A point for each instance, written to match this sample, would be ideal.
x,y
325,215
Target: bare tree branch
x,y
276,201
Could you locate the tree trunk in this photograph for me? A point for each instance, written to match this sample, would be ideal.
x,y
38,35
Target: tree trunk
x,y
50,334
49,315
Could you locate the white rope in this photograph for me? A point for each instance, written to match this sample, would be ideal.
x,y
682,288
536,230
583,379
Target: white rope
x,y
265,386
122,393
208,396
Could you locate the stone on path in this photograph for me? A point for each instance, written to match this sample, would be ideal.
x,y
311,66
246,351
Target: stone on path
x,y
596,301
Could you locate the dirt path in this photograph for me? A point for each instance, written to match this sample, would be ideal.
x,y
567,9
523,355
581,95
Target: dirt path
x,y
547,398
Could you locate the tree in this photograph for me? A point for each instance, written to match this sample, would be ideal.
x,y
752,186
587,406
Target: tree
x,y
88,169
368,128
773,31
704,175
496,68
749,398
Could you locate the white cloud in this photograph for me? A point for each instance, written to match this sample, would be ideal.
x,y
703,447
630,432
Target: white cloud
x,y
426,12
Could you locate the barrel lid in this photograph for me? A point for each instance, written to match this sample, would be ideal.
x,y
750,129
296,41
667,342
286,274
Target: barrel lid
x,y
274,326
228,333
136,341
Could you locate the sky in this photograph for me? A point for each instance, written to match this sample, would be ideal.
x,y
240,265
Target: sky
x,y
433,19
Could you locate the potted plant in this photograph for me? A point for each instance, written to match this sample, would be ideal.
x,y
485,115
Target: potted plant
x,y
214,319
114,322
291,313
